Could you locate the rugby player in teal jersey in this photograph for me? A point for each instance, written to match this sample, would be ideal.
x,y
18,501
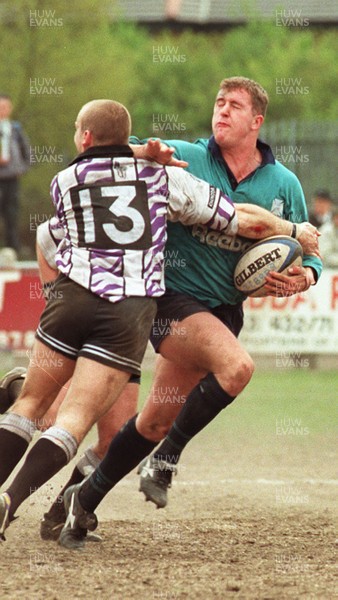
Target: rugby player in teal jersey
x,y
244,167
202,354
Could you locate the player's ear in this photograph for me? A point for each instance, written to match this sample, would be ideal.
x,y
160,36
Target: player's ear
x,y
257,121
87,139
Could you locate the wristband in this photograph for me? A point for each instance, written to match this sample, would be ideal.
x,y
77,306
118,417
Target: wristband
x,y
294,231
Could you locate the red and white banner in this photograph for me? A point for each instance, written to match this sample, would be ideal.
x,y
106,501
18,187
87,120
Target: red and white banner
x,y
306,322
21,304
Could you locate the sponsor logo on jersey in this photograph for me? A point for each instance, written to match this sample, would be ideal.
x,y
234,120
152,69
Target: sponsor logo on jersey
x,y
277,207
212,197
219,239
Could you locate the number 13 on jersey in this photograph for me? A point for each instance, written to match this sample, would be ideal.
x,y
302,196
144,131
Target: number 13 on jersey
x,y
110,216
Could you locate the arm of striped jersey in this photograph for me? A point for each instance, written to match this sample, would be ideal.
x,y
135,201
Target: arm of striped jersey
x,y
48,236
191,200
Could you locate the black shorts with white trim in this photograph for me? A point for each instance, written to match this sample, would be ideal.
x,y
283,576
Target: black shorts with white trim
x,y
77,323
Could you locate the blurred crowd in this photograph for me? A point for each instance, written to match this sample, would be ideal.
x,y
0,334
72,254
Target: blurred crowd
x,y
324,215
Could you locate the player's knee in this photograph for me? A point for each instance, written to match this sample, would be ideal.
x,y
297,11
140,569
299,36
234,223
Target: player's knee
x,y
152,430
241,373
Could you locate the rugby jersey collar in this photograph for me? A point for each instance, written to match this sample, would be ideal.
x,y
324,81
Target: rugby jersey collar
x,y
265,150
103,152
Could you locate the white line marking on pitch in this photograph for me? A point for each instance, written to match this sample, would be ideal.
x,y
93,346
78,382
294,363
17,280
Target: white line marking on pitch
x,y
205,482
261,481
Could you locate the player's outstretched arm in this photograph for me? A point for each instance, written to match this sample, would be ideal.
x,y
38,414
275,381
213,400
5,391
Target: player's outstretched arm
x,y
257,223
157,151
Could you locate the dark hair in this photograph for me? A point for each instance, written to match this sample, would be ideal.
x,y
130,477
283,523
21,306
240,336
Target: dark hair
x,y
325,194
5,97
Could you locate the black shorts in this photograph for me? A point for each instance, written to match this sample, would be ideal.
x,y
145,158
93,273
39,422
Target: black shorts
x,y
173,306
76,323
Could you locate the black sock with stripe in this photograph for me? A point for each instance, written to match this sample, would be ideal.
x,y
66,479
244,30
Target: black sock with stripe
x,y
125,452
16,433
202,405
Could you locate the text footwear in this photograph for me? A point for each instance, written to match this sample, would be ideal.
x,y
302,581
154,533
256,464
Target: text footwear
x,y
155,479
74,532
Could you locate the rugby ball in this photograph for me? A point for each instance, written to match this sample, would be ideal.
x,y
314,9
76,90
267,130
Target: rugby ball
x,y
276,253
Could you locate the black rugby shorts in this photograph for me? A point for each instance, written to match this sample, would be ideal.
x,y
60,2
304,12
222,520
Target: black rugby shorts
x,y
173,306
77,322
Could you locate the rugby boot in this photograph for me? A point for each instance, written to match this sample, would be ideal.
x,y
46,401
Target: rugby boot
x,y
78,522
50,529
155,479
5,505
7,398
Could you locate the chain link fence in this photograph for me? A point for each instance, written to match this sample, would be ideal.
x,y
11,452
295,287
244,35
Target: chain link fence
x,y
309,149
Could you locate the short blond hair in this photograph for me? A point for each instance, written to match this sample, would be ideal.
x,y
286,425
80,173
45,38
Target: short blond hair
x,y
259,96
108,121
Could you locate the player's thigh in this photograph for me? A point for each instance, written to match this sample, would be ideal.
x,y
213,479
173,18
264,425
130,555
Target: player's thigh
x,y
47,373
201,341
124,408
93,390
171,385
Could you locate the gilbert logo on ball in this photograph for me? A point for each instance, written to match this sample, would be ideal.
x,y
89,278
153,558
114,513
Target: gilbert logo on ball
x,y
276,253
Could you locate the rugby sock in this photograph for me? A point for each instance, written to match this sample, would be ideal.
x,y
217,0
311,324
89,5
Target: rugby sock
x,y
87,463
202,405
4,401
126,450
16,433
57,511
9,393
51,452
15,389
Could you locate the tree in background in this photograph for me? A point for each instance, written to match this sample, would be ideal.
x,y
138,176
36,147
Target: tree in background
x,y
59,56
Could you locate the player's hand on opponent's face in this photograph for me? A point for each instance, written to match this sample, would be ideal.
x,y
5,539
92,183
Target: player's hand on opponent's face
x,y
298,279
158,151
307,236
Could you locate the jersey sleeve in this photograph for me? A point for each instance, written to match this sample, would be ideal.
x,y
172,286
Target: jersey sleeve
x,y
49,234
192,200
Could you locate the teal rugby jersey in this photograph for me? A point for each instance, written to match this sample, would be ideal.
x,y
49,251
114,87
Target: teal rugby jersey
x,y
200,262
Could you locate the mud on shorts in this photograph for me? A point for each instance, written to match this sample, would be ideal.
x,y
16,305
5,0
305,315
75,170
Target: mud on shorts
x,y
174,307
77,322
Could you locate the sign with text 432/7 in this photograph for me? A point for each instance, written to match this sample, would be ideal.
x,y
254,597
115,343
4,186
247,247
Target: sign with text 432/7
x,y
21,304
306,322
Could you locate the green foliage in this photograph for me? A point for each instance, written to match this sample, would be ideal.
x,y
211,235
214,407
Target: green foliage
x,y
166,78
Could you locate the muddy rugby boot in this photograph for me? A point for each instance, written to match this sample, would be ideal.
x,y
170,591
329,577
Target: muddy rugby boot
x,y
74,533
50,529
5,504
155,479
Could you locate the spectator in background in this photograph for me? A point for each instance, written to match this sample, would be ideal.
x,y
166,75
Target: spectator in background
x,y
172,9
322,206
328,241
14,162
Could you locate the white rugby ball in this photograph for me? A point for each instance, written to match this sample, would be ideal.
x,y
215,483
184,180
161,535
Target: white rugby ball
x,y
276,253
